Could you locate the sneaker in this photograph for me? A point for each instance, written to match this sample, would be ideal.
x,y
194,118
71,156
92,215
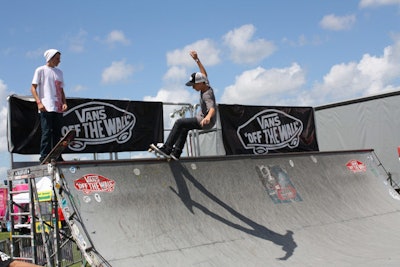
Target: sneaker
x,y
174,157
176,153
165,150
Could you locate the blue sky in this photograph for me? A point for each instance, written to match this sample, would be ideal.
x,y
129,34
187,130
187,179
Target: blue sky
x,y
301,53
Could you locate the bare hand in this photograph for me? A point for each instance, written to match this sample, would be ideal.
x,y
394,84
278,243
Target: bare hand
x,y
193,54
41,107
204,122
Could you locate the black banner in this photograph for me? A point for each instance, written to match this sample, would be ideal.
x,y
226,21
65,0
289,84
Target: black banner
x,y
262,130
101,125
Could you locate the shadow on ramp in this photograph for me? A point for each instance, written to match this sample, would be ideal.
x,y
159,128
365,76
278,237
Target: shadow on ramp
x,y
181,174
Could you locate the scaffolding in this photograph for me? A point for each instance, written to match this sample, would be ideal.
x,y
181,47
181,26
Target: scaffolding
x,y
37,235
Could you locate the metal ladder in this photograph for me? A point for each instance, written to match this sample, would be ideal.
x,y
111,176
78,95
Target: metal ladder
x,y
19,248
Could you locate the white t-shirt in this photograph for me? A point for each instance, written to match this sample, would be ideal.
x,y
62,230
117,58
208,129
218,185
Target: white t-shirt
x,y
50,83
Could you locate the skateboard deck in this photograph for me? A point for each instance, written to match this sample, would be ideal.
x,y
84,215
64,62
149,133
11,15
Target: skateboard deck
x,y
60,146
159,154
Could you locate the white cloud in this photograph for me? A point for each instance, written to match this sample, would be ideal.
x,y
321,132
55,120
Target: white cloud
x,y
117,72
337,23
3,91
181,64
260,86
371,75
375,3
180,95
175,75
244,49
115,37
285,86
3,129
206,50
3,116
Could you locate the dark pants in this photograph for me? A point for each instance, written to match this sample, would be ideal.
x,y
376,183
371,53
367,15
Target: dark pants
x,y
51,124
177,138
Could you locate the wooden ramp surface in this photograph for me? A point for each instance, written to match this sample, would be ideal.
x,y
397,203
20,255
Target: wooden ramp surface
x,y
312,209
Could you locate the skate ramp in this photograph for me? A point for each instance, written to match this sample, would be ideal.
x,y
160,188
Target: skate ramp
x,y
312,209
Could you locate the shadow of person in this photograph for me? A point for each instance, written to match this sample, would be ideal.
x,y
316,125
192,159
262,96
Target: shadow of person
x,y
181,175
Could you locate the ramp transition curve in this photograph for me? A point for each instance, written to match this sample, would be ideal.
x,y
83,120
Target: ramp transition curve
x,y
309,209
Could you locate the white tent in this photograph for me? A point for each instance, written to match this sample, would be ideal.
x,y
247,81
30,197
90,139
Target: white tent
x,y
44,187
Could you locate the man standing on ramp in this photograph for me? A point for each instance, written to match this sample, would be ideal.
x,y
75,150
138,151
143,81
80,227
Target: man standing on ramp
x,y
48,90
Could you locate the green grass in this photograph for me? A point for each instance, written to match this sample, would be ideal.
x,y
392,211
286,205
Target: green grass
x,y
4,236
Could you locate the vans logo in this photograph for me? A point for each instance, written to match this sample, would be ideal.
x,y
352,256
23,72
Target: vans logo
x,y
94,183
270,129
96,125
356,166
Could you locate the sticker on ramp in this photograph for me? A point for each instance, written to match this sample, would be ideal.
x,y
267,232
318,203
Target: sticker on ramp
x,y
356,166
278,184
394,194
94,183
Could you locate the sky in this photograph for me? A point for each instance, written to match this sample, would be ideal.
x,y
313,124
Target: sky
x,y
256,52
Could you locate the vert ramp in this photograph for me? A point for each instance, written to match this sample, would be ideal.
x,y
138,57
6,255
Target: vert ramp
x,y
311,209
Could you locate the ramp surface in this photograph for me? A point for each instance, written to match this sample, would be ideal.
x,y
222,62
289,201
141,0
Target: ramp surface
x,y
313,209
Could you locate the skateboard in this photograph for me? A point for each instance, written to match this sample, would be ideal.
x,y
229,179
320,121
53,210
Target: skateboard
x,y
159,154
60,146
